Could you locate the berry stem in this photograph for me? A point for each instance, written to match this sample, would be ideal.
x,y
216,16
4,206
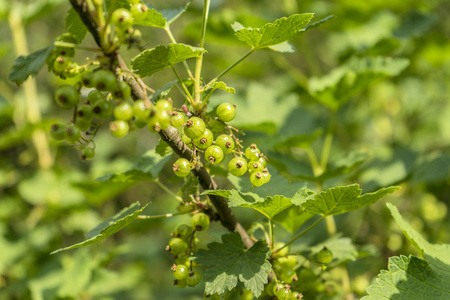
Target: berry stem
x,y
145,217
172,39
165,188
189,96
199,60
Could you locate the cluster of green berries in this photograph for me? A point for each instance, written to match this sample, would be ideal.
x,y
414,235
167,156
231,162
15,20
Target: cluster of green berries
x,y
198,133
181,246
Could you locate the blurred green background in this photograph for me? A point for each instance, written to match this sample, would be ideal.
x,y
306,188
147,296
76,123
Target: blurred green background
x,y
392,128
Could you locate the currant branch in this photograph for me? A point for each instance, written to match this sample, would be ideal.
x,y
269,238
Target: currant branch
x,y
169,135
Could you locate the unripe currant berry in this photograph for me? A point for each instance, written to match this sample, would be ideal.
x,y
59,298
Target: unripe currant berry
x,y
84,117
60,64
176,246
122,91
122,18
141,110
180,283
103,109
185,139
138,123
183,231
163,118
73,134
254,166
182,167
193,278
226,142
104,80
58,132
205,141
226,112
86,79
139,11
266,175
216,125
177,119
165,105
88,153
95,96
214,154
252,152
200,221
123,111
194,128
262,160
237,166
325,256
257,179
180,272
67,96
284,293
119,128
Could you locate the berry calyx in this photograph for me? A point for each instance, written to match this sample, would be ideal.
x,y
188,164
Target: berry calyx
x,y
200,221
214,154
119,128
254,166
194,128
205,141
237,166
122,91
67,96
103,110
257,179
226,142
139,11
226,112
325,256
182,167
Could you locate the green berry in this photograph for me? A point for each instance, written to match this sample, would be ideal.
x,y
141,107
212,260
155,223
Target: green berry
x,y
252,153
194,128
86,79
122,18
200,221
103,110
60,64
216,125
133,1
104,80
122,91
205,141
257,179
73,134
85,113
226,112
284,293
214,154
67,96
138,123
183,231
182,167
88,153
58,132
237,166
177,119
119,128
139,11
269,288
123,111
141,110
180,272
186,139
325,256
95,96
163,118
226,142
193,278
254,166
176,246
164,105
180,283
266,175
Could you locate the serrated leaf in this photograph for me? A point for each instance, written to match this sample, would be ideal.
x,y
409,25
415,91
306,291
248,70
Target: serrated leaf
x,y
342,248
25,66
109,226
152,19
157,59
190,187
221,193
172,14
228,262
280,31
285,47
342,199
75,25
146,169
292,218
302,195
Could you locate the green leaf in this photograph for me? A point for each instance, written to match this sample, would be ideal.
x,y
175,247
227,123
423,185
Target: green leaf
x,y
342,199
285,47
302,195
153,19
335,88
221,193
109,226
171,14
228,262
75,25
221,85
146,169
412,277
342,248
292,218
163,149
282,30
157,59
25,66
163,91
